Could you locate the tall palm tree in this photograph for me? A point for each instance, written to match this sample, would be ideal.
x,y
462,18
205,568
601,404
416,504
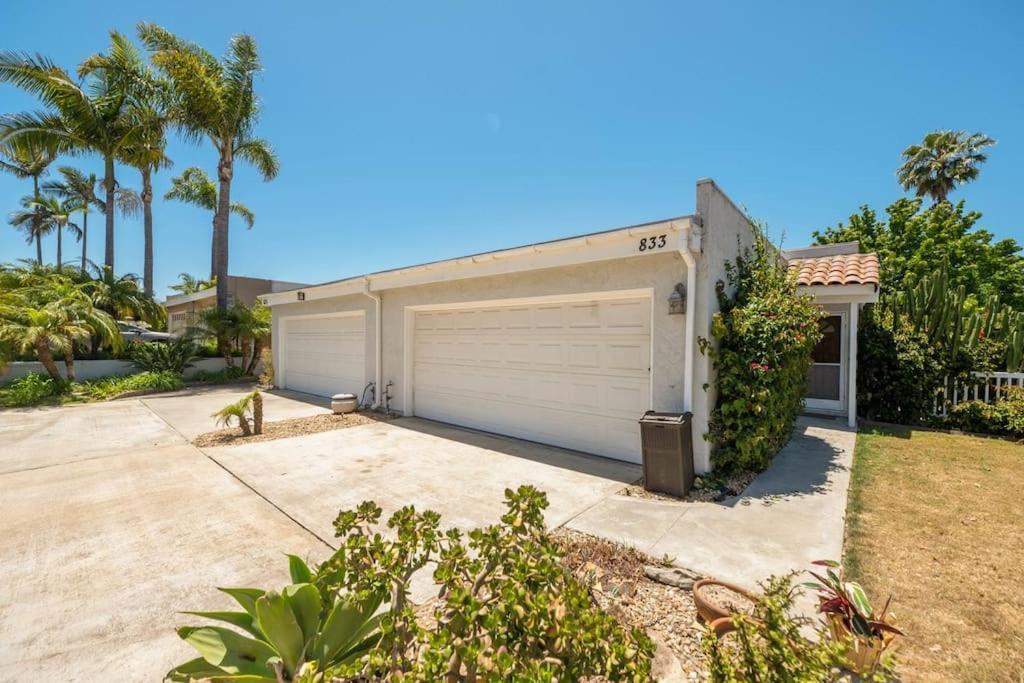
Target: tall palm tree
x,y
80,188
943,160
194,187
123,66
214,99
82,118
56,215
26,160
29,220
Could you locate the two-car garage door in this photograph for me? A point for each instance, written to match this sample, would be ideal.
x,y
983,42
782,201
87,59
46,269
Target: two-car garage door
x,y
324,355
574,374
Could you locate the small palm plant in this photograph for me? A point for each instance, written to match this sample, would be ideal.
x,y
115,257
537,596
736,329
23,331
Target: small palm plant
x,y
240,410
282,636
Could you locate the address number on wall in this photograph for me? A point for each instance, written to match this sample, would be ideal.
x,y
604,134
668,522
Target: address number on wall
x,y
656,242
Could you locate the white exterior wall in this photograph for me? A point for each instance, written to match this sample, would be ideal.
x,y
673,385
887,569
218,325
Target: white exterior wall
x,y
724,227
94,369
660,272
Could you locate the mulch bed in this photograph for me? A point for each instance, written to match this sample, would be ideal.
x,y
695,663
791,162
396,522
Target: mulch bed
x,y
282,429
615,575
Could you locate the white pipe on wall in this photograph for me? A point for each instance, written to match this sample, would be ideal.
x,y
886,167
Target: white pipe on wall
x,y
378,342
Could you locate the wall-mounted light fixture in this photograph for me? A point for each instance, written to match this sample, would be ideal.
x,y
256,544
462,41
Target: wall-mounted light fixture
x,y
677,300
301,296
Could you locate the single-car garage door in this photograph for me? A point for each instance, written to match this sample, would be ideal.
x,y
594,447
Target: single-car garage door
x,y
574,374
325,355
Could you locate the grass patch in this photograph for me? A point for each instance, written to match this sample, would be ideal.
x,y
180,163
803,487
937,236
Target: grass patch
x,y
935,520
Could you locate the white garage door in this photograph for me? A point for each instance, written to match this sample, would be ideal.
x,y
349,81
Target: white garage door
x,y
325,355
572,374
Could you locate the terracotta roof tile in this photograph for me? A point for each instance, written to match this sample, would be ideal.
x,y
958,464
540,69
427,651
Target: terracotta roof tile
x,y
846,269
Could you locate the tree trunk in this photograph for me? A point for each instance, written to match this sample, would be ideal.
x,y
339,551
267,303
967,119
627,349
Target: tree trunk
x,y
220,236
257,350
246,345
109,185
213,248
243,422
69,364
257,412
59,255
45,357
147,222
85,235
35,221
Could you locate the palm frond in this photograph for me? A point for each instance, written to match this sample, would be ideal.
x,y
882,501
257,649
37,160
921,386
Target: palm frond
x,y
244,212
260,154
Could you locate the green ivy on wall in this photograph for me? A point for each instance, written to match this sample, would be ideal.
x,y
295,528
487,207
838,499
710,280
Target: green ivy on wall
x,y
763,336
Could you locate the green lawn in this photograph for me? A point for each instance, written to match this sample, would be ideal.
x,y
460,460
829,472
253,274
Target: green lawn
x,y
937,521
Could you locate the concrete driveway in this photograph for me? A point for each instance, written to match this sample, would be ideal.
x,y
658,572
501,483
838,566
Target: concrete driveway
x,y
113,522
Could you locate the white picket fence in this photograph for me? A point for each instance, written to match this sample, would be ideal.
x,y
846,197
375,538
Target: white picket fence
x,y
987,387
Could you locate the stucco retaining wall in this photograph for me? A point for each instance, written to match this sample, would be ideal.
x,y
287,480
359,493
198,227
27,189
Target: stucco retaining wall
x,y
94,369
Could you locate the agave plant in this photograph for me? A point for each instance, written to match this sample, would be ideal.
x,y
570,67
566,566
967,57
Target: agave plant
x,y
851,616
281,637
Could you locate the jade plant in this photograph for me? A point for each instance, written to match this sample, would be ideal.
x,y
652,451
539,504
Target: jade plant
x,y
282,636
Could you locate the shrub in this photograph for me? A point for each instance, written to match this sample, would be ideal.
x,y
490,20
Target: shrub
x,y
267,376
507,609
1004,417
765,334
111,387
31,389
222,376
172,356
768,645
898,372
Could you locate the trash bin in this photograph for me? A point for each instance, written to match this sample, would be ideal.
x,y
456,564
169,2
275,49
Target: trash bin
x,y
667,445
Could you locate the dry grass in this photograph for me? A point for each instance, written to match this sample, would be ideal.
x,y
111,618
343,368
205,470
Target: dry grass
x,y
286,428
937,520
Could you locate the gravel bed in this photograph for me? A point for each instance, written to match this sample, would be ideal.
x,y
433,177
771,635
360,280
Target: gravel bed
x,y
615,575
285,428
703,490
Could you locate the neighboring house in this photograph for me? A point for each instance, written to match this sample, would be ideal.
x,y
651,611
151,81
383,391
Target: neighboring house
x,y
566,342
183,309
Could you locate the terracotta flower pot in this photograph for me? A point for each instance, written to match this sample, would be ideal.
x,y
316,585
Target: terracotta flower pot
x,y
862,654
721,627
709,610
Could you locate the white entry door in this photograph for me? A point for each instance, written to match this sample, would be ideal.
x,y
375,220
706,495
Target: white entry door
x,y
574,374
324,355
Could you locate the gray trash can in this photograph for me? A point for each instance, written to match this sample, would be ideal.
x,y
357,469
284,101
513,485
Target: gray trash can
x,y
667,445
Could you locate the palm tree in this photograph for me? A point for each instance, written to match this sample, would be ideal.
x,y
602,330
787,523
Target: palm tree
x,y
56,214
194,187
190,285
29,220
943,160
82,118
121,296
81,189
52,314
26,160
124,67
215,100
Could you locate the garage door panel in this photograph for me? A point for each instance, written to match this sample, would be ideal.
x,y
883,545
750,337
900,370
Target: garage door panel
x,y
325,355
573,374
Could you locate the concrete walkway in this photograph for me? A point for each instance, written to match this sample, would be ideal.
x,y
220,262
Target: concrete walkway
x,y
792,514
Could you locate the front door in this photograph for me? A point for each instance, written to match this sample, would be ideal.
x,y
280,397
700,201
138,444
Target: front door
x,y
826,382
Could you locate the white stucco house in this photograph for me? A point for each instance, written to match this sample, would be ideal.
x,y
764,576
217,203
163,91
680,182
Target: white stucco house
x,y
566,342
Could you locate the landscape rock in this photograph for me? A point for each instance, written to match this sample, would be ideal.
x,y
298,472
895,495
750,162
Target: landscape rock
x,y
666,667
672,576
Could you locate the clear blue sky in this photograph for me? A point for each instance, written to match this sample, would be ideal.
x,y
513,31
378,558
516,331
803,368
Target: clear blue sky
x,y
423,130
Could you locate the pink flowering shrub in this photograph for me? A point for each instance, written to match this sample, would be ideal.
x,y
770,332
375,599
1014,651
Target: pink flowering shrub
x,y
763,338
